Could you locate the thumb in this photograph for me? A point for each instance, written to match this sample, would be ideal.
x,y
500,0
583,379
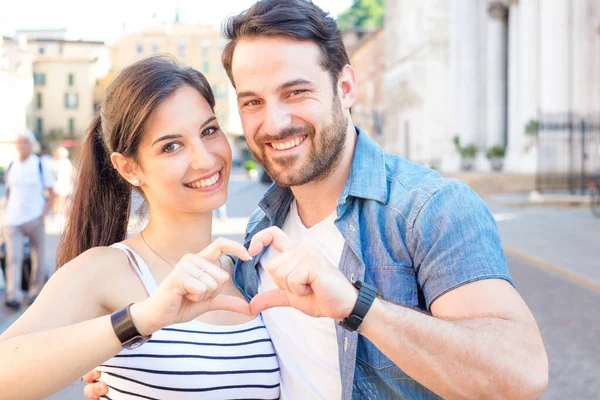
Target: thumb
x,y
229,303
270,299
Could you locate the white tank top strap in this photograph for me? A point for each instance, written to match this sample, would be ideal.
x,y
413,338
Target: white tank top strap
x,y
139,266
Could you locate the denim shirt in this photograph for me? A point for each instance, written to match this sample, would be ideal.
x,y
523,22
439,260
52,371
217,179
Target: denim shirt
x,y
408,231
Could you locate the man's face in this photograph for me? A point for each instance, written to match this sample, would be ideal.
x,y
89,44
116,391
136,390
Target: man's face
x,y
24,146
291,114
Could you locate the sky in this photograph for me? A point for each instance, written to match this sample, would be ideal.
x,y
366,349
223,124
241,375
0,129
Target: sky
x,y
107,20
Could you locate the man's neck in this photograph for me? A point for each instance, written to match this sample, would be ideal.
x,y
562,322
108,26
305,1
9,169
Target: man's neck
x,y
317,200
22,158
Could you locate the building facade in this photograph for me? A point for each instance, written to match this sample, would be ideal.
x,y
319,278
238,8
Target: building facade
x,y
484,70
65,74
16,87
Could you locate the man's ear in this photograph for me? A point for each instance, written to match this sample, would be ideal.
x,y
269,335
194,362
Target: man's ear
x,y
346,86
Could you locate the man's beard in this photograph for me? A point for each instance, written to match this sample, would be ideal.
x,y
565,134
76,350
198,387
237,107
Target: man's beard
x,y
324,155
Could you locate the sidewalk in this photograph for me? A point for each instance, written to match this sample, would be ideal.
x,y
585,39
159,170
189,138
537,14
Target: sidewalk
x,y
560,239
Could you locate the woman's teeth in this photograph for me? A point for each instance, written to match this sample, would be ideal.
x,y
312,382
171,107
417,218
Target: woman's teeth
x,y
204,182
289,144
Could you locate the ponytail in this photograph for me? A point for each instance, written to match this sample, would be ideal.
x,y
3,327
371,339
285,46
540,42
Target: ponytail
x,y
101,201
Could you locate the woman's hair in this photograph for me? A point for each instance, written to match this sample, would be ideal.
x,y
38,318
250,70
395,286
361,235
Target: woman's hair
x,y
101,203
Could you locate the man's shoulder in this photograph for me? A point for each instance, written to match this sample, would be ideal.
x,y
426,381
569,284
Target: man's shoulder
x,y
404,177
411,186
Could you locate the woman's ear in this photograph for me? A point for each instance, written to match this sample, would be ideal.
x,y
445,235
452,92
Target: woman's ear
x,y
127,168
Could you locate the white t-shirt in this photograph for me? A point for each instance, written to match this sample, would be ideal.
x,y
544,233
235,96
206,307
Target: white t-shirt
x,y
26,199
307,347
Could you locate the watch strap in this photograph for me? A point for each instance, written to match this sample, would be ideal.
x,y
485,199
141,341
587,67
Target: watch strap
x,y
125,329
366,297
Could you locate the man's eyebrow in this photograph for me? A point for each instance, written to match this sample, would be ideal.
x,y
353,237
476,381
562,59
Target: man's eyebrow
x,y
286,85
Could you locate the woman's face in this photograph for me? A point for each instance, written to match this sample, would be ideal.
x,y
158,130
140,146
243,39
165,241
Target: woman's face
x,y
184,157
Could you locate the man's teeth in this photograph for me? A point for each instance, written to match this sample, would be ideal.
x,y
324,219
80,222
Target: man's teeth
x,y
288,144
205,182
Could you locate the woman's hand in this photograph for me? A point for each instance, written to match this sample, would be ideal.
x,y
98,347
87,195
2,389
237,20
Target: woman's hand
x,y
191,289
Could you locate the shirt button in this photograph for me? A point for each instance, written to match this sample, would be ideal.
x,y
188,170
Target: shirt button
x,y
352,228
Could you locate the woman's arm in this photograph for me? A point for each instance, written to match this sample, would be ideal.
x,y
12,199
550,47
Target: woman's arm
x,y
49,346
51,336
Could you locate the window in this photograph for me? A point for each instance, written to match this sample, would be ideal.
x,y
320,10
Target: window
x,y
155,48
39,127
39,79
71,100
71,79
140,49
205,67
71,126
38,101
181,49
41,50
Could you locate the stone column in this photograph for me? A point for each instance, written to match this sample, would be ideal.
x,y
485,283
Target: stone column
x,y
496,73
555,55
468,76
583,33
514,115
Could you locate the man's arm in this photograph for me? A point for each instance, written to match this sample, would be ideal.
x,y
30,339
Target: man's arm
x,y
480,342
480,339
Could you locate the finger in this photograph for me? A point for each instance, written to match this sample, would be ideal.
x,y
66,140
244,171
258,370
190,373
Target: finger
x,y
203,275
91,376
216,249
280,268
190,287
269,299
229,303
271,236
298,281
194,261
95,390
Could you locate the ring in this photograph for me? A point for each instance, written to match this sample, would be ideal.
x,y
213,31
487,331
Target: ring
x,y
200,274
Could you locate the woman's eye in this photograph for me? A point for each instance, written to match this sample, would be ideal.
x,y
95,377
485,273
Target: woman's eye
x,y
209,131
171,147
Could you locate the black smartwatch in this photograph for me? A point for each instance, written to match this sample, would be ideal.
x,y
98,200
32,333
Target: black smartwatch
x,y
125,330
366,297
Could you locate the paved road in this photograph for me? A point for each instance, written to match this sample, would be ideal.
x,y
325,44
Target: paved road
x,y
566,311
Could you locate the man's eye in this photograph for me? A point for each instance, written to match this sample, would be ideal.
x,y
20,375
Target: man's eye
x,y
252,103
297,92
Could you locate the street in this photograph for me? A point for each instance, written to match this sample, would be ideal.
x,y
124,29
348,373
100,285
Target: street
x,y
553,257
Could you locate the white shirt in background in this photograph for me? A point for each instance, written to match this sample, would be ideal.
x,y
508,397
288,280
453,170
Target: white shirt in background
x,y
26,200
306,347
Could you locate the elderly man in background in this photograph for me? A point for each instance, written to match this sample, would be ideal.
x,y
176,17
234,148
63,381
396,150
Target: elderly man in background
x,y
29,197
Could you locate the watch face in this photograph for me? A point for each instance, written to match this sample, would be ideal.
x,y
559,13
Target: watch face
x,y
134,342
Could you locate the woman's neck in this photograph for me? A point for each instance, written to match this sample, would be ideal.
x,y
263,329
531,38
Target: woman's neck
x,y
171,237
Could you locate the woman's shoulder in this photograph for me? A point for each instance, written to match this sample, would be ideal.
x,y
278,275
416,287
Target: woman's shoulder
x,y
97,262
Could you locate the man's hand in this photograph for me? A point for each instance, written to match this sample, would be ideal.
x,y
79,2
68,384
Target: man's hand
x,y
306,280
94,389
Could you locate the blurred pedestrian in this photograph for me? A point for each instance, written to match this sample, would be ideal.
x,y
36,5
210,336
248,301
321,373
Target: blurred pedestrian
x,y
63,187
29,198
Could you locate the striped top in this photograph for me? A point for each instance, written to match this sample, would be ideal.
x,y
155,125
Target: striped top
x,y
194,360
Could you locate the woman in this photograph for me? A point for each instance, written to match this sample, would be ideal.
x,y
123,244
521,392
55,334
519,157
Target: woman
x,y
156,133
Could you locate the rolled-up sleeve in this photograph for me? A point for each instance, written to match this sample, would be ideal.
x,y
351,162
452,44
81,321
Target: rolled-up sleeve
x,y
455,241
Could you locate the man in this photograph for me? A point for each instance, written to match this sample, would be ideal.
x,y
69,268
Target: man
x,y
27,181
448,321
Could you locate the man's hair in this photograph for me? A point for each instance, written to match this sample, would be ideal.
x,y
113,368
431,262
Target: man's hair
x,y
296,19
